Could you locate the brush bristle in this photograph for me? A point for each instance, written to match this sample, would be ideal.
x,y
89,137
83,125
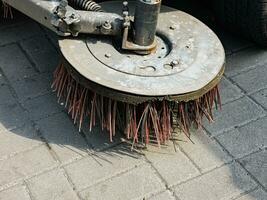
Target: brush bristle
x,y
7,11
140,123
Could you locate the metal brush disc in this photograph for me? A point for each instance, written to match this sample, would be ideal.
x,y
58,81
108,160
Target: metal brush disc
x,y
188,62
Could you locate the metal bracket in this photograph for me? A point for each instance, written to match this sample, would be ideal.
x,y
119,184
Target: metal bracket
x,y
127,44
66,21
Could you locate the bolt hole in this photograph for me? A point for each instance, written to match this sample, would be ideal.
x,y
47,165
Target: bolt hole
x,y
159,57
45,18
148,68
162,47
168,67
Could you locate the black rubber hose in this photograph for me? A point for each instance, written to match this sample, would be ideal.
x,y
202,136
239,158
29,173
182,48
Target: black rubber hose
x,y
87,5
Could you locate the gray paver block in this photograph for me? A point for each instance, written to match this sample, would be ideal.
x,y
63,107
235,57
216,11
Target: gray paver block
x,y
253,80
25,30
42,53
11,116
5,95
25,164
33,86
173,166
139,183
102,166
261,97
15,193
51,185
258,194
245,60
14,63
52,36
63,137
163,196
43,106
256,164
246,139
98,138
18,140
205,152
232,43
224,183
234,114
229,91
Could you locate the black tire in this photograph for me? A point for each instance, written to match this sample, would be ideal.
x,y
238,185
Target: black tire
x,y
244,17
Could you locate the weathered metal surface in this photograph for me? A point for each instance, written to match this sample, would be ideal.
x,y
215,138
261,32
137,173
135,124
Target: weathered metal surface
x,y
194,49
145,21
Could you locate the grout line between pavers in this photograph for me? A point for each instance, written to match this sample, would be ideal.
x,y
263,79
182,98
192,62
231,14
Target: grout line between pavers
x,y
246,192
248,95
49,39
118,174
27,188
28,57
71,183
246,122
161,178
21,152
188,157
237,160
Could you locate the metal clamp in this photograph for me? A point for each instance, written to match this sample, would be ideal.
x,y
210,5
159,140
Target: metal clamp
x,y
66,20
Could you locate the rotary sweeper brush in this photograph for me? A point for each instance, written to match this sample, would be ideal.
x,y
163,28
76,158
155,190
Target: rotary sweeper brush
x,y
134,67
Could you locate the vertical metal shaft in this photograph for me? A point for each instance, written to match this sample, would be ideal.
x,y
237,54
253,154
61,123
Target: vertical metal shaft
x,y
145,21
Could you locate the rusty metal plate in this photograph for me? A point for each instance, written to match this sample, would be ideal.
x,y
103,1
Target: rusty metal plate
x,y
196,51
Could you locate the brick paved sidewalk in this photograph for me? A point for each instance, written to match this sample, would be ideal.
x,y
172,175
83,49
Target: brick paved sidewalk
x,y
43,157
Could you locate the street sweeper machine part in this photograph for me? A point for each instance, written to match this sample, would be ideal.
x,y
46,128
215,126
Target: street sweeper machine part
x,y
133,67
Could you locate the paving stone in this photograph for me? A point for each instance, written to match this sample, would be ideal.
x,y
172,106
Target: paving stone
x,y
256,164
18,140
102,166
233,115
24,165
245,60
14,63
205,152
231,42
229,91
246,139
42,53
98,138
261,97
224,183
15,193
63,137
11,116
258,194
167,195
5,95
173,166
139,183
51,185
43,106
34,86
25,30
253,80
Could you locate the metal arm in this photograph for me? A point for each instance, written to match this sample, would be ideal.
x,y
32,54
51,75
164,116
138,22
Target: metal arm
x,y
64,20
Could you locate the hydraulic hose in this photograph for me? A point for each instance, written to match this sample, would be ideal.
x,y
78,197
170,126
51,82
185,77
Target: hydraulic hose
x,y
87,5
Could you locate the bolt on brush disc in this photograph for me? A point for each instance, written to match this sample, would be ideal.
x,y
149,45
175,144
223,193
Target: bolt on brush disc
x,y
187,63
